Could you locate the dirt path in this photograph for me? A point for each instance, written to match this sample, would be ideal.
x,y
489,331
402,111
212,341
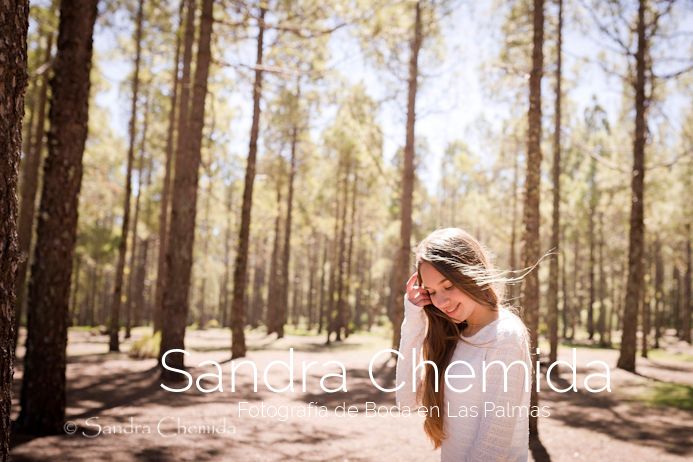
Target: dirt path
x,y
141,421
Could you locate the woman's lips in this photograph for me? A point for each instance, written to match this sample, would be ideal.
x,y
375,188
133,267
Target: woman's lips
x,y
452,310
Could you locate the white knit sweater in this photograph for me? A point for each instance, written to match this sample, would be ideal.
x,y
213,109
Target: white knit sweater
x,y
480,426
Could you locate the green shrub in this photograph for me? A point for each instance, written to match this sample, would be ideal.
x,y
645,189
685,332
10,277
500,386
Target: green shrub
x,y
146,347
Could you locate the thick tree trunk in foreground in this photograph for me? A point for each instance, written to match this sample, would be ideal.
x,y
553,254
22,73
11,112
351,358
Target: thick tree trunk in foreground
x,y
530,240
43,385
240,273
626,359
183,205
401,266
13,79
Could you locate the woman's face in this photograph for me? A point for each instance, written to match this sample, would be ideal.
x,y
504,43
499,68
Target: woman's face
x,y
444,295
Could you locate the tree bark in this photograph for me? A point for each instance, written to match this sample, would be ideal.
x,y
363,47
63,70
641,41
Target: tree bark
x,y
227,262
513,227
530,240
114,325
659,278
565,312
202,319
626,359
601,320
240,273
590,233
29,187
350,250
686,324
321,299
271,320
14,23
401,265
284,300
49,286
556,215
166,189
132,290
675,299
339,319
184,203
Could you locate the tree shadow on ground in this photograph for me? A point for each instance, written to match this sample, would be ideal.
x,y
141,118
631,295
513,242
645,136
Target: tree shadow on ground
x,y
600,412
360,388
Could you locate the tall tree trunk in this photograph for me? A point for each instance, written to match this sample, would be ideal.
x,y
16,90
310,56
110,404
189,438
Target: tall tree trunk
x,y
401,266
321,299
133,253
49,286
645,304
284,299
91,299
334,255
565,312
675,297
274,286
341,259
240,273
14,23
258,284
72,319
659,278
312,252
686,324
626,359
140,283
224,289
114,327
29,186
202,320
556,214
577,305
601,321
184,202
591,237
530,239
350,250
513,226
166,189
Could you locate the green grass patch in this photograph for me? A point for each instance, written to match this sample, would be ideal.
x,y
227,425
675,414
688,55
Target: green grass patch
x,y
671,395
146,347
670,356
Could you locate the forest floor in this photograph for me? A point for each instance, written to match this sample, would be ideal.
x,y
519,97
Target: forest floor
x,y
121,413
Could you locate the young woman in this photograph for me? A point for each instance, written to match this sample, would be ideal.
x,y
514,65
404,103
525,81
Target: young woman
x,y
477,404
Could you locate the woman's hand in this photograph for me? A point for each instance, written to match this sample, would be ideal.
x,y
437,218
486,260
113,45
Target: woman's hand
x,y
416,295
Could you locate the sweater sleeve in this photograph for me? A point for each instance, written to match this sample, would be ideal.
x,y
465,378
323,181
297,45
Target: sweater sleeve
x,y
413,333
497,426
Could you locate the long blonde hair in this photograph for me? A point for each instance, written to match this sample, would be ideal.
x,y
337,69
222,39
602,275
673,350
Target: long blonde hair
x,y
466,263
